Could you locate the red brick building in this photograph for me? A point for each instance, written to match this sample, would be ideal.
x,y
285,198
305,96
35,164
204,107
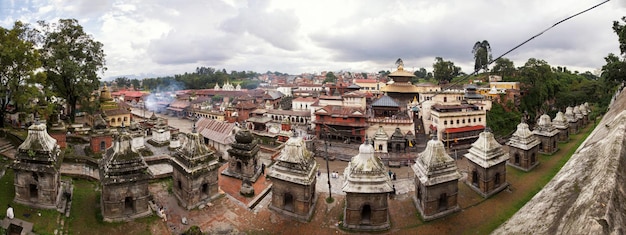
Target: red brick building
x,y
341,123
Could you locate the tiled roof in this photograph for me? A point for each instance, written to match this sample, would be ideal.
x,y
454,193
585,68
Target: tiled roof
x,y
364,80
340,111
215,130
273,95
289,112
385,101
180,104
305,99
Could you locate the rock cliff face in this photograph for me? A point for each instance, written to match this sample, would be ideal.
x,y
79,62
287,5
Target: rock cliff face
x,y
588,195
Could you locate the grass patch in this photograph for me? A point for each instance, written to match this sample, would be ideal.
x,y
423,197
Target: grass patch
x,y
330,200
85,217
44,224
508,212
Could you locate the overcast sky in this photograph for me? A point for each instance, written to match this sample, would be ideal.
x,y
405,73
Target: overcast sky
x,y
147,38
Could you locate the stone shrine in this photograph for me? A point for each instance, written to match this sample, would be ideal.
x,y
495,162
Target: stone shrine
x,y
436,182
487,165
100,137
584,114
397,141
161,134
381,140
124,178
572,120
194,172
293,181
561,124
547,135
367,185
243,161
36,166
523,148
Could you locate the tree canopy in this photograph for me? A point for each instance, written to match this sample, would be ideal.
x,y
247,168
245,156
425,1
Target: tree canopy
x,y
504,67
482,55
72,60
444,71
18,61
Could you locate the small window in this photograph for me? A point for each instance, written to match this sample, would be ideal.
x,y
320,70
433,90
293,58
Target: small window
x,y
457,121
445,122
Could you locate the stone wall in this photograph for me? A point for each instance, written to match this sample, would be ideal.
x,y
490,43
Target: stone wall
x,y
125,201
303,199
378,216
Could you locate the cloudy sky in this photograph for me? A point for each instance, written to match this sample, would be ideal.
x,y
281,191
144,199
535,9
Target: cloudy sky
x,y
147,38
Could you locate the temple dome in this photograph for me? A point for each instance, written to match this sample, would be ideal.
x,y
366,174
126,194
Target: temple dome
x,y
522,131
244,137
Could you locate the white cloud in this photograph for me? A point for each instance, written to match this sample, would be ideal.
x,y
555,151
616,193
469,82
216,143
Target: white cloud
x,y
166,37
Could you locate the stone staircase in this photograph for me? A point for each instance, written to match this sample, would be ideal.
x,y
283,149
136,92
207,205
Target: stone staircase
x,y
7,149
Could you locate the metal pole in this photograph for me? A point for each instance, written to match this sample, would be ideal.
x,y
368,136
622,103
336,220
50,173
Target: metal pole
x,y
327,167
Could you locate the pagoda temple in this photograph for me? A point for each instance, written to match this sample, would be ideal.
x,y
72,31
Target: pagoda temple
x,y
399,86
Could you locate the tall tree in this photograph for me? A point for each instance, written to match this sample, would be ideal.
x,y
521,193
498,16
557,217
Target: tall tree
x,y
399,62
504,67
72,60
482,55
615,68
18,61
444,71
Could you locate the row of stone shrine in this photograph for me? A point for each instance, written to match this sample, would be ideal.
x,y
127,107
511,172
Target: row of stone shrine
x,y
125,175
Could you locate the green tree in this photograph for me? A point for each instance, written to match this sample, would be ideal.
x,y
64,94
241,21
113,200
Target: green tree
x,y
614,69
122,82
504,67
482,55
330,78
620,30
72,60
18,61
538,80
444,71
421,73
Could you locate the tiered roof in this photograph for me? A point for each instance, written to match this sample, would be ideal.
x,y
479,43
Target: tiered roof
x,y
544,127
486,151
38,152
579,115
523,138
434,166
122,163
366,173
569,114
560,122
380,134
194,157
295,163
385,101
